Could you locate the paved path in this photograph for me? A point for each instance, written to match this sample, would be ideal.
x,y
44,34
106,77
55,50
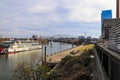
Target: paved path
x,y
57,57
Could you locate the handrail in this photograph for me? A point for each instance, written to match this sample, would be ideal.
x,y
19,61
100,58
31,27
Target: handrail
x,y
113,54
101,75
110,61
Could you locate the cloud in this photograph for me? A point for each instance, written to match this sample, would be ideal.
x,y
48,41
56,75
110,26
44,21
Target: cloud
x,y
52,16
87,10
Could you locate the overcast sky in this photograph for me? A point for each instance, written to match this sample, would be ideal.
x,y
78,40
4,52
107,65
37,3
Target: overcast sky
x,y
23,18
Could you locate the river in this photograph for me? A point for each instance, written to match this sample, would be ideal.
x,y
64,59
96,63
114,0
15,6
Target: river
x,y
8,63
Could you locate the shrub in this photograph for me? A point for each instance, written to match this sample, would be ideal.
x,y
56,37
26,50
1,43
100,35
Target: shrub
x,y
64,60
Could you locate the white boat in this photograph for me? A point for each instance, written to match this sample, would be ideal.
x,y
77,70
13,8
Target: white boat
x,y
19,46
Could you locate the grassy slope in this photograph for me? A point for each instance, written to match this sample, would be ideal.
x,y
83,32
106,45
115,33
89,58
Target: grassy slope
x,y
75,68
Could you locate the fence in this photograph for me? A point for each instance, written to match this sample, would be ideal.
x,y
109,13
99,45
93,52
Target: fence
x,y
110,61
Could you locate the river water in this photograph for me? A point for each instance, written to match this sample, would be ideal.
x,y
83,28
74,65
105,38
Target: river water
x,y
8,63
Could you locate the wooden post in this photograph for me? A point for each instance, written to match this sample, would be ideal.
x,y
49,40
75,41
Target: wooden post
x,y
72,44
42,55
45,55
51,44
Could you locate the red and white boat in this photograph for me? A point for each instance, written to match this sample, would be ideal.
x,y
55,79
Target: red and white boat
x,y
19,46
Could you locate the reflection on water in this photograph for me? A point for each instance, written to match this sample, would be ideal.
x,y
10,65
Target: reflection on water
x,y
56,47
9,62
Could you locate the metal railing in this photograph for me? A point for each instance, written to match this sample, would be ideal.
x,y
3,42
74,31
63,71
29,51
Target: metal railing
x,y
110,61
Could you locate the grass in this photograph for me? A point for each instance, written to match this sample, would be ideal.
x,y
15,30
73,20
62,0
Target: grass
x,y
74,67
86,47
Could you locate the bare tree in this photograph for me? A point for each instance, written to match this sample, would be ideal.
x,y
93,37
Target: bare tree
x,y
31,71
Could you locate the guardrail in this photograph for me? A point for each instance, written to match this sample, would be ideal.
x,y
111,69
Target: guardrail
x,y
110,61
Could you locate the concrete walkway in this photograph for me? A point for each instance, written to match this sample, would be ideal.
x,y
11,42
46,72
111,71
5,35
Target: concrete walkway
x,y
54,58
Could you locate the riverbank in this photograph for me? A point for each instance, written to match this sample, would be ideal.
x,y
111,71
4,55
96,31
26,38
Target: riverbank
x,y
71,67
57,57
75,68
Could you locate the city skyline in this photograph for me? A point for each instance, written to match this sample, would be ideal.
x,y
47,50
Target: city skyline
x,y
52,17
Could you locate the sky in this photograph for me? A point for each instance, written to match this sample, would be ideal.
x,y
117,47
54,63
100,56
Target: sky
x,y
23,18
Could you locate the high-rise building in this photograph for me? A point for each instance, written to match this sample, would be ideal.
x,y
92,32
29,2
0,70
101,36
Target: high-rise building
x,y
118,9
105,17
106,14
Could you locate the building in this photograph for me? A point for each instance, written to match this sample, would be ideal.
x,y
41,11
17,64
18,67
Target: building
x,y
114,35
106,21
81,37
106,14
106,17
111,29
106,25
89,37
118,9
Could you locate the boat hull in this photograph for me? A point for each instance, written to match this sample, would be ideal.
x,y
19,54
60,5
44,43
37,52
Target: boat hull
x,y
13,52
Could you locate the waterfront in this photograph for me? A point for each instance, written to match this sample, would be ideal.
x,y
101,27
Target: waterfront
x,y
9,62
56,47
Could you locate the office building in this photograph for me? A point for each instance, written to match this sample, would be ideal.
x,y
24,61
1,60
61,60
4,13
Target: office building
x,y
114,35
106,21
106,14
